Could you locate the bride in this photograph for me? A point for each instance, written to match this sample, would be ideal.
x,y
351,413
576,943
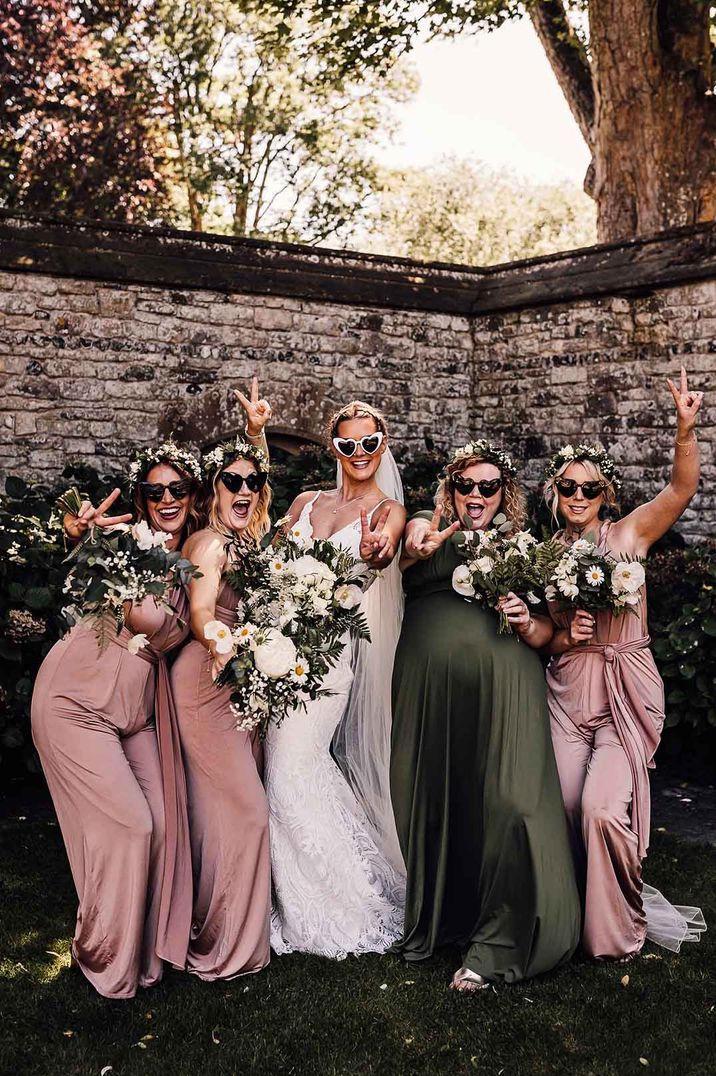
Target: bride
x,y
338,876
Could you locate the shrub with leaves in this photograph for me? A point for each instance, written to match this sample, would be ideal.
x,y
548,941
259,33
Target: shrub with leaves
x,y
683,629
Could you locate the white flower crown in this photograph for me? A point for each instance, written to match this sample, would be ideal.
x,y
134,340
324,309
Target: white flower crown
x,y
489,452
166,452
594,453
225,453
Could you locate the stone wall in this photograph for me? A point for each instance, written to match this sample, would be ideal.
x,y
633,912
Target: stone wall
x,y
112,337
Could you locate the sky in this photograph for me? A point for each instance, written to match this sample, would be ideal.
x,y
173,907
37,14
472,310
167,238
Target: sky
x,y
494,97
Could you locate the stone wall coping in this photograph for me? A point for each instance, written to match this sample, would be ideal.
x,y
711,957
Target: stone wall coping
x,y
163,257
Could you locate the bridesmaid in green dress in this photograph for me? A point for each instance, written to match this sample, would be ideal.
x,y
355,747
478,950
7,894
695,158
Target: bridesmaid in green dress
x,y
473,778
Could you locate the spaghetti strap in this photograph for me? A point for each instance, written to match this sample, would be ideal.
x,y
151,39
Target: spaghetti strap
x,y
377,506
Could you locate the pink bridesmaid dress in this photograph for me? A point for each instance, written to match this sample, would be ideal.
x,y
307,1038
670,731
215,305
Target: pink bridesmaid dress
x,y
117,783
606,702
228,819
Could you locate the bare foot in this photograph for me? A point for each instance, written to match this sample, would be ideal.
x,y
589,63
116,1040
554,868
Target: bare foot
x,y
468,982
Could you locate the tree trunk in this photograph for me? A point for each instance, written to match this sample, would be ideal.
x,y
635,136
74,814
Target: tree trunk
x,y
654,125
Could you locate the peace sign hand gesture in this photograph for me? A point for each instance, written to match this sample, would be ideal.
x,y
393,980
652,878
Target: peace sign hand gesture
x,y
258,411
377,547
687,404
89,516
422,543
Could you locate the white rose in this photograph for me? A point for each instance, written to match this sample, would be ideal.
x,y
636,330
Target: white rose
x,y
309,565
581,546
220,635
462,581
348,596
137,643
276,655
628,576
485,565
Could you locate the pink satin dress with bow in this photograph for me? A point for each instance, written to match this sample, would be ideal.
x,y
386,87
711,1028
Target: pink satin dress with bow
x,y
606,702
105,729
228,819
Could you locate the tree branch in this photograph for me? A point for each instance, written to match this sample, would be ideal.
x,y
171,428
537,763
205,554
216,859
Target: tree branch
x,y
568,59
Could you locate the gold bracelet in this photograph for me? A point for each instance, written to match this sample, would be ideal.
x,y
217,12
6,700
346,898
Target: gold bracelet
x,y
685,444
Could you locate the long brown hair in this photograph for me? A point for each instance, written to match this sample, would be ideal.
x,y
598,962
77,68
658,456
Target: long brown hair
x,y
196,515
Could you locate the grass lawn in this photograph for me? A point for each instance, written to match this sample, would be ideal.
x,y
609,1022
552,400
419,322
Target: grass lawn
x,y
367,1015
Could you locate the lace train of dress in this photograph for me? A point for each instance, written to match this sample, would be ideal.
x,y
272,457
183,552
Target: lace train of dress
x,y
335,893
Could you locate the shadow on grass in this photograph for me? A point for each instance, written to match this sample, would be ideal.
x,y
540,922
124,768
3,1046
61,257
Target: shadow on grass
x,y
367,1015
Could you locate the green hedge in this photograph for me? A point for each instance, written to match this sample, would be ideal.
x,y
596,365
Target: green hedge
x,y
682,591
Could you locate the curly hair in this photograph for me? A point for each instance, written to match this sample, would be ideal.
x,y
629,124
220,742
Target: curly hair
x,y
551,494
196,515
513,503
355,409
260,522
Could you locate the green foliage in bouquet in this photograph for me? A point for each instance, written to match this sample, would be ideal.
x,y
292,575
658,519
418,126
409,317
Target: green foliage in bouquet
x,y
110,567
499,561
300,602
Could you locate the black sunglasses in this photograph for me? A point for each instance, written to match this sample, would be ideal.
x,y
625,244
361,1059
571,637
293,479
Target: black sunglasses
x,y
488,487
234,481
154,491
347,446
568,487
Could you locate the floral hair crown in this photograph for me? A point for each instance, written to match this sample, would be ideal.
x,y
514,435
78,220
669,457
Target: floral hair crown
x,y
166,452
597,455
489,453
229,451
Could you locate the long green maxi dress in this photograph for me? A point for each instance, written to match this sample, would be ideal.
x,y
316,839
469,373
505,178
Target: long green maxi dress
x,y
475,789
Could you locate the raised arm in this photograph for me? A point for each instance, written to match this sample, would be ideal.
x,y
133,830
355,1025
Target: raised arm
x,y
258,413
647,523
423,537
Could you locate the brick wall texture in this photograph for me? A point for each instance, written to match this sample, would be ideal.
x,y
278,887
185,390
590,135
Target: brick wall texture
x,y
91,369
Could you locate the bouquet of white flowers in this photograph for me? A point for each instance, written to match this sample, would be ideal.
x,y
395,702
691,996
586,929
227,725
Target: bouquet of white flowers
x,y
119,564
499,560
300,602
582,577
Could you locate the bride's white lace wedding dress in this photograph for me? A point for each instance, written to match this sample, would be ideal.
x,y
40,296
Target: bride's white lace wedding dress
x,y
335,892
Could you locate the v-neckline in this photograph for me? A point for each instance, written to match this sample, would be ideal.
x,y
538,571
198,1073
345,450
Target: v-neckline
x,y
309,516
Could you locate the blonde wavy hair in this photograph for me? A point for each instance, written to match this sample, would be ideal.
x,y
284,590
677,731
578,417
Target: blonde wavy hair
x,y
196,515
513,503
355,409
551,493
260,522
